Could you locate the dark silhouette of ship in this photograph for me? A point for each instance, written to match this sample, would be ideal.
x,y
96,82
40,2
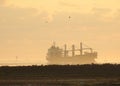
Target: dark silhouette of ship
x,y
57,55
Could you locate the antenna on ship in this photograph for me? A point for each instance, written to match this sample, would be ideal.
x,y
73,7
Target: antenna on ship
x,y
54,43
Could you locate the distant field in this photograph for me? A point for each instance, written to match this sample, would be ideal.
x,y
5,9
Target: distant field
x,y
61,82
60,71
61,75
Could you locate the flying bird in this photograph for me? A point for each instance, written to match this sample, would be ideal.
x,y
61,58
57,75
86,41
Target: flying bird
x,y
69,17
46,21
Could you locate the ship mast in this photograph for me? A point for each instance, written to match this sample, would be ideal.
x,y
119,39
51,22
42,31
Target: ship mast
x,y
73,50
65,51
81,48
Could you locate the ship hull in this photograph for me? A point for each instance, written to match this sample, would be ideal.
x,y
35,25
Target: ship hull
x,y
72,60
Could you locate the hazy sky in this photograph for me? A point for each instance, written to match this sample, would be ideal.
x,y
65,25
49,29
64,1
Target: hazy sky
x,y
28,28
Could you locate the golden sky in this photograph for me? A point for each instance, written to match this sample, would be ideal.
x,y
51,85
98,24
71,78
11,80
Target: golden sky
x,y
28,27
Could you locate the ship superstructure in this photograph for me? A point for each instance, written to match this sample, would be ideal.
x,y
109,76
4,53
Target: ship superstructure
x,y
58,55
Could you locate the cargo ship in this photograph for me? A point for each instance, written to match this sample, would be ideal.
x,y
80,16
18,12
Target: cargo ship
x,y
83,55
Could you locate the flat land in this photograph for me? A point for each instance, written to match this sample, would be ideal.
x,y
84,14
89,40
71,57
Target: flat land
x,y
61,75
